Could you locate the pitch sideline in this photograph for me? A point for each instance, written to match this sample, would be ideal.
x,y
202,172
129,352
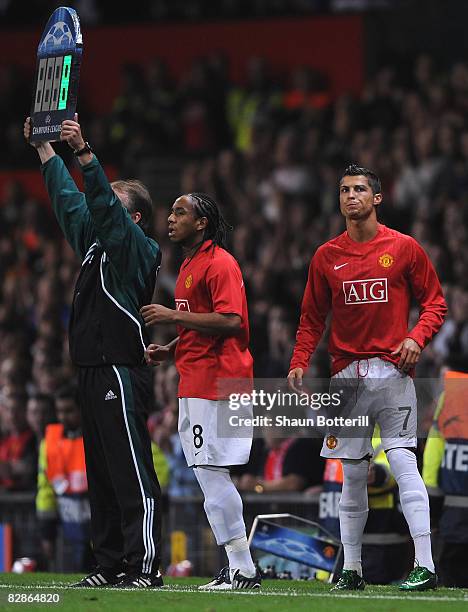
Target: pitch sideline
x,y
269,593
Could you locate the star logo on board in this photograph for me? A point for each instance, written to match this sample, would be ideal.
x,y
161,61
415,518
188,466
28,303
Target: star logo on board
x,y
188,281
386,260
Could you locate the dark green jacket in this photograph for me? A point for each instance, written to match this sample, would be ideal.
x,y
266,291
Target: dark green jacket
x,y
118,270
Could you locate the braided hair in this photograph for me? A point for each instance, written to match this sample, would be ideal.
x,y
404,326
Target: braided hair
x,y
217,228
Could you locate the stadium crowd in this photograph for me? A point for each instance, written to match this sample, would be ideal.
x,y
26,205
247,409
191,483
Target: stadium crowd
x,y
271,151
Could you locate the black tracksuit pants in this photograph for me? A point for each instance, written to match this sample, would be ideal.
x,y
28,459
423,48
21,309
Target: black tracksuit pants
x,y
124,491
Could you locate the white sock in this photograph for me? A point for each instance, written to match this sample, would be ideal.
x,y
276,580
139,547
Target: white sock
x,y
353,511
414,503
423,552
239,556
223,504
354,565
353,524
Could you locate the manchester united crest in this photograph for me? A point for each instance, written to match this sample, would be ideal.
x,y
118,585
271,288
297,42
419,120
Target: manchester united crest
x,y
331,442
386,260
329,552
188,281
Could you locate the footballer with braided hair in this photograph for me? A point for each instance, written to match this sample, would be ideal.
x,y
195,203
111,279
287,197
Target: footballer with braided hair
x,y
212,346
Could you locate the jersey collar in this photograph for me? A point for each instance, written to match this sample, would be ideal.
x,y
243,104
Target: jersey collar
x,y
201,249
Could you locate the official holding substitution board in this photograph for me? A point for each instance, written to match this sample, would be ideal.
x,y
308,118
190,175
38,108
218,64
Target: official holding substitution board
x,y
106,227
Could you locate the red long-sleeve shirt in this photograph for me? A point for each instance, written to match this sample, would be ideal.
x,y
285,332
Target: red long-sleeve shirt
x,y
368,288
211,281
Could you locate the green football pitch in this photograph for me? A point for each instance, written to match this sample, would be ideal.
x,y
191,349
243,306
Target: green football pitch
x,y
181,595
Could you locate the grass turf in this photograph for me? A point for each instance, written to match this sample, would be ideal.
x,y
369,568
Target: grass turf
x,y
181,595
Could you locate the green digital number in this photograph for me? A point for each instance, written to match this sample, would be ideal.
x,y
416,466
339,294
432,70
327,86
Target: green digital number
x,y
65,82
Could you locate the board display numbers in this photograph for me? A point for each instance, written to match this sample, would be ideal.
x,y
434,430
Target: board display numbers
x,y
57,75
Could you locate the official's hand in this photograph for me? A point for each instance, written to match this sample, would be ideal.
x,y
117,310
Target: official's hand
x,y
409,351
27,133
155,354
71,134
157,314
43,148
295,380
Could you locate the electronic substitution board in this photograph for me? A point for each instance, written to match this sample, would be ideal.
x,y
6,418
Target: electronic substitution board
x,y
57,75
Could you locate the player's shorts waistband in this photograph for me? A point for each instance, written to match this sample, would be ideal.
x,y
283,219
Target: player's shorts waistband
x,y
371,367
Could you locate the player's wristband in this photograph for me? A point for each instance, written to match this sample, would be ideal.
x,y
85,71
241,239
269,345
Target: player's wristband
x,y
86,149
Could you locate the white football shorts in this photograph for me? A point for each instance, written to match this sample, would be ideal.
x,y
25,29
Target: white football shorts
x,y
375,389
198,431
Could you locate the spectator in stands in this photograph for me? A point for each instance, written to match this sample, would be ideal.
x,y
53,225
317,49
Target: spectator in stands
x,y
164,435
446,477
62,488
40,412
280,465
196,110
161,109
129,107
18,454
247,105
453,337
308,92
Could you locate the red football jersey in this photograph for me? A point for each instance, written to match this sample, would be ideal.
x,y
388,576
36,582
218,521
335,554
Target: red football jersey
x,y
211,281
368,288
